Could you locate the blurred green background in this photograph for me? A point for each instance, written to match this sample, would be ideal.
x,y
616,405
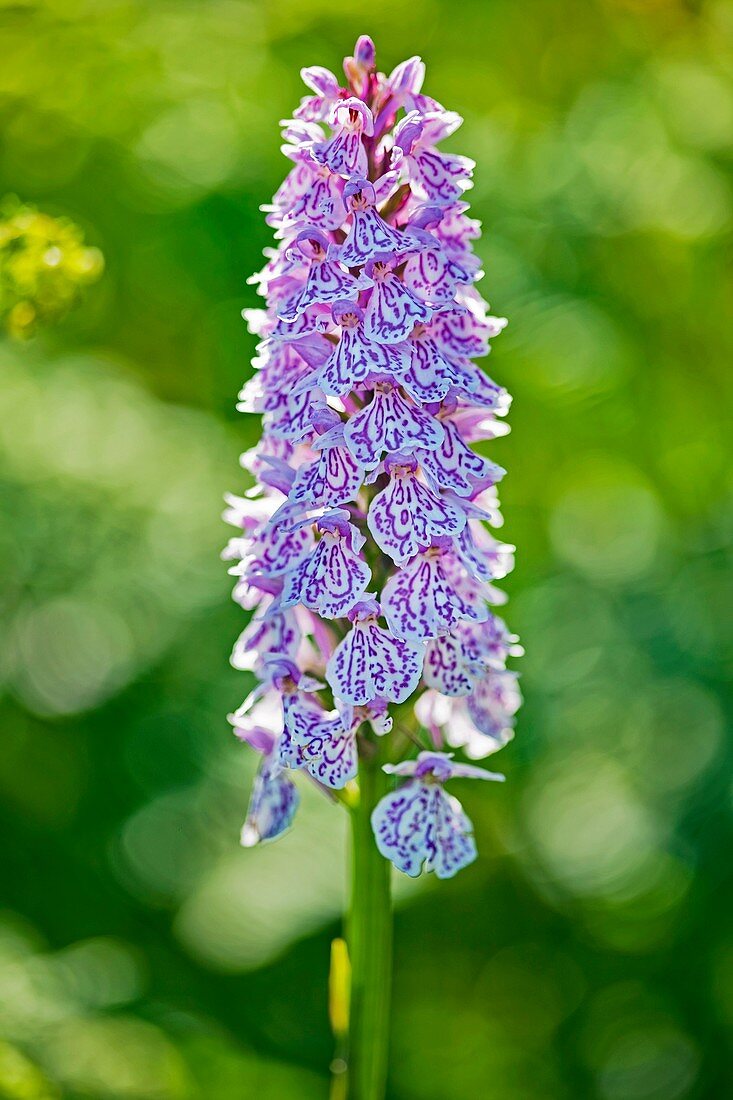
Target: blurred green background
x,y
589,952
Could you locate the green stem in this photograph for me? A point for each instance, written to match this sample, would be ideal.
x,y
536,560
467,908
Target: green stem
x,y
369,933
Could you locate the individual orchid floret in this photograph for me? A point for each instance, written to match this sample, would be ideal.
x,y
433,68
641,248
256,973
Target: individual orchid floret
x,y
274,798
406,515
335,576
430,272
398,90
326,281
327,92
392,310
272,633
344,153
390,423
480,722
454,465
438,177
370,663
334,477
370,236
459,661
319,204
311,737
272,805
422,601
419,826
355,357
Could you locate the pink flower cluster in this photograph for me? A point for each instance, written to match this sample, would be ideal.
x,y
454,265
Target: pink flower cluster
x,y
363,546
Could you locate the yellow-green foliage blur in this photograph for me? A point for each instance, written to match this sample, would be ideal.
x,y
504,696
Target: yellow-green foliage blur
x,y
588,954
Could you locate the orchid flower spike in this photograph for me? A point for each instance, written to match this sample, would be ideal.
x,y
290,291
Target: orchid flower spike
x,y
361,545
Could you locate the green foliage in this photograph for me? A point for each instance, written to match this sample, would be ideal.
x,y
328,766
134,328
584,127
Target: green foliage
x,y
43,267
588,952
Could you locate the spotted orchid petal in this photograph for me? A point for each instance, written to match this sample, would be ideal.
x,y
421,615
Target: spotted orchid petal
x,y
390,423
370,235
344,153
406,516
326,281
446,667
330,753
355,357
393,310
432,276
276,549
369,664
484,557
464,333
320,204
327,91
330,581
494,702
334,478
430,375
404,826
272,805
441,177
419,827
276,633
420,601
453,465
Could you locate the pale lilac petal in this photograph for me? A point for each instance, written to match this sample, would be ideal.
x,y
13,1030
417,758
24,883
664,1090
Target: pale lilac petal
x,y
331,581
355,358
272,806
389,423
432,276
393,311
445,667
369,664
406,516
331,754
334,478
369,236
275,633
404,826
431,375
453,465
320,204
483,556
277,549
442,177
455,847
494,702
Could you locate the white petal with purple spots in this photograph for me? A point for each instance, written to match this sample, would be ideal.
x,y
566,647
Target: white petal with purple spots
x,y
406,516
272,805
393,311
369,664
392,424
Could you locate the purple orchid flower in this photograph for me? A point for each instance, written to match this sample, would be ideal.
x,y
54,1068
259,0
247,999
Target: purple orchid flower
x,y
419,826
390,423
344,153
392,310
355,357
370,236
360,548
370,663
334,577
406,515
